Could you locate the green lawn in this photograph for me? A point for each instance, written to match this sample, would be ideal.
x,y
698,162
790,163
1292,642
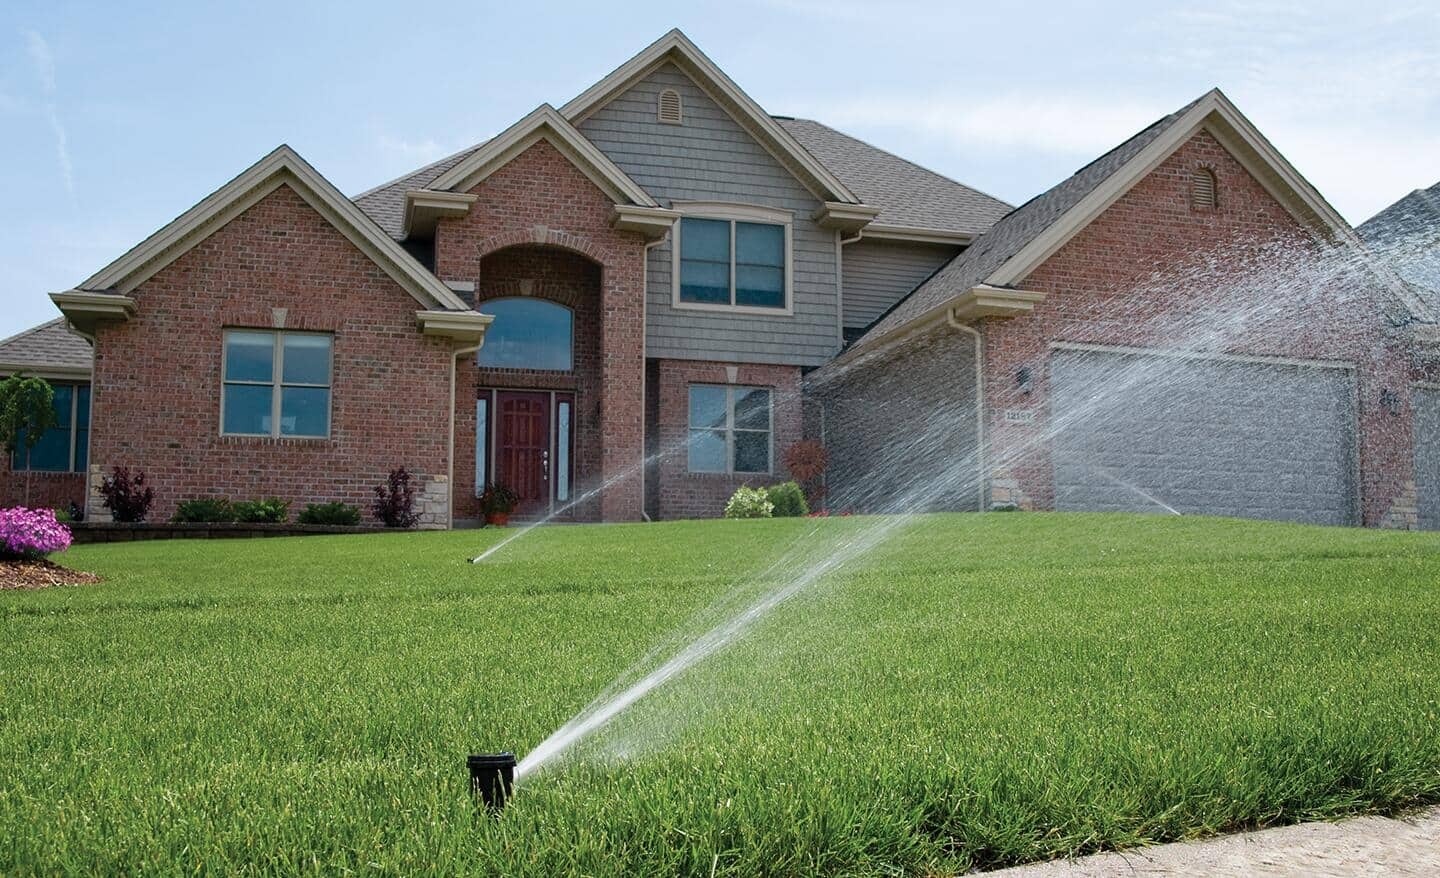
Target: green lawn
x,y
978,691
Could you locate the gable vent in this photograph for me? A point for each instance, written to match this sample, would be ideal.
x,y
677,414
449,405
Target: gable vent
x,y
668,109
1202,189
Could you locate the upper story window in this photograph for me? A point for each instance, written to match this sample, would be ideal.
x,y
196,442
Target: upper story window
x,y
733,258
276,383
729,429
63,447
528,334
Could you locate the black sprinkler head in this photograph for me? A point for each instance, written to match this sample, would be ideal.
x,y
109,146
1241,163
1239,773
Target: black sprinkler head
x,y
492,776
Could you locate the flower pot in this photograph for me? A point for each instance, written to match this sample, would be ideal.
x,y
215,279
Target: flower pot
x,y
497,519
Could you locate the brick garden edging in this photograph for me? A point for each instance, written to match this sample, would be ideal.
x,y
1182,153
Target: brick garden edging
x,y
121,532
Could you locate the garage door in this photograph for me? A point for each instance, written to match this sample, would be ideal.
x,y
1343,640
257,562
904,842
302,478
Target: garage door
x,y
1137,431
1427,455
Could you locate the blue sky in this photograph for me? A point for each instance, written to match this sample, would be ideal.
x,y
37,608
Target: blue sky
x,y
116,117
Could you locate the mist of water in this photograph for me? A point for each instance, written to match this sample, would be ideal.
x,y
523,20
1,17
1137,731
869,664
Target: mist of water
x,y
1257,300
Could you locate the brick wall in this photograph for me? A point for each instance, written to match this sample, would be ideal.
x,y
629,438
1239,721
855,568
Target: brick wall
x,y
680,493
157,381
901,428
1137,276
56,490
539,199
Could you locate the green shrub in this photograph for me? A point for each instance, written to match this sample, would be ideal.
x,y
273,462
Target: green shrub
x,y
63,515
271,510
788,500
749,502
204,510
329,513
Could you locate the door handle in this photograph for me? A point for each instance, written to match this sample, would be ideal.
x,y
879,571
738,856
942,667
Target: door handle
x,y
545,465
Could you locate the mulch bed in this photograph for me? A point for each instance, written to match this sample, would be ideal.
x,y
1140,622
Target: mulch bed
x,y
40,574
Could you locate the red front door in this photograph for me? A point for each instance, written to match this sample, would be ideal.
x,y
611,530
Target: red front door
x,y
522,448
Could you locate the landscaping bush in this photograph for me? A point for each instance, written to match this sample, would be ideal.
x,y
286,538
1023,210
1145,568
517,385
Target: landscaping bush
x,y
498,499
788,500
203,510
271,510
31,533
749,502
806,460
395,500
126,496
63,516
330,513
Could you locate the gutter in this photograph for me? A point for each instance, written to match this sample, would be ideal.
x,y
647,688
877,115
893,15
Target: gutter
x,y
644,364
455,367
979,398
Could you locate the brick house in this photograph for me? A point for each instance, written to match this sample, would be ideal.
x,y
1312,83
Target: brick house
x,y
628,306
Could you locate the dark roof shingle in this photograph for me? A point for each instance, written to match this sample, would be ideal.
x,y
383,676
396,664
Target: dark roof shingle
x,y
49,344
1407,235
385,204
906,193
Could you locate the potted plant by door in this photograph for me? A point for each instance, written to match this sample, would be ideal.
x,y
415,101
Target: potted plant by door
x,y
497,501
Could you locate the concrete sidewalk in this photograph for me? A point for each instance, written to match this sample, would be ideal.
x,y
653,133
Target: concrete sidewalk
x,y
1358,846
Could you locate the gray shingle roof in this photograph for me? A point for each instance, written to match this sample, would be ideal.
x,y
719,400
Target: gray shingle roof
x,y
1407,234
385,204
1016,229
49,344
906,193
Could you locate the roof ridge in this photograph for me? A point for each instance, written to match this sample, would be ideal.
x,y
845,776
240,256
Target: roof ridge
x,y
897,157
420,170
32,330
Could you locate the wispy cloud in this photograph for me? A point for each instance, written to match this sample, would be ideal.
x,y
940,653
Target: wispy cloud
x,y
43,61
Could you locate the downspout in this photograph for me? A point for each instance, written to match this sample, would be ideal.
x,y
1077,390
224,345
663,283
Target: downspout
x,y
979,396
644,364
840,283
90,337
455,367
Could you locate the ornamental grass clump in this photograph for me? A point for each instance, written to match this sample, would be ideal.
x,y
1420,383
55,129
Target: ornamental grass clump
x,y
31,533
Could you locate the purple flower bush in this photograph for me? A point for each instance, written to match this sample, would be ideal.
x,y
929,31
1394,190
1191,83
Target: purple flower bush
x,y
31,533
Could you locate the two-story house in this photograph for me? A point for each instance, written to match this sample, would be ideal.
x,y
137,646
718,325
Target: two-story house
x,y
630,305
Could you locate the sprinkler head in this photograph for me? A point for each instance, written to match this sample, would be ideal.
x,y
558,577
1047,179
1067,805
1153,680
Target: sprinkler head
x,y
492,776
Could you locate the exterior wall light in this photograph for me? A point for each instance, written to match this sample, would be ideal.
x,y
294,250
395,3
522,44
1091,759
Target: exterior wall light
x,y
1391,402
1024,379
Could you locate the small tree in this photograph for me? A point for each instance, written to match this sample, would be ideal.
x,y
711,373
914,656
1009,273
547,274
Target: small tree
x,y
27,410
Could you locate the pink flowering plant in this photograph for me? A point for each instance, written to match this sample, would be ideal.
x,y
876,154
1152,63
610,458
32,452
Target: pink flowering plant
x,y
31,533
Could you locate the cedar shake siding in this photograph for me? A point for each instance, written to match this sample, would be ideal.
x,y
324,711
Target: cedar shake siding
x,y
711,158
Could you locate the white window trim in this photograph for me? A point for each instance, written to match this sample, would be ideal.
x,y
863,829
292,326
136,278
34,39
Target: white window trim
x,y
744,213
729,431
277,382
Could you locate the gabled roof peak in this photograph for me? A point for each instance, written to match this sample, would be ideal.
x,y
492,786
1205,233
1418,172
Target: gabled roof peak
x,y
675,47
282,166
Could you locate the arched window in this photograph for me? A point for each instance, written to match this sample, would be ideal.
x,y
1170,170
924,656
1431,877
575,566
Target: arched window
x,y
528,334
1202,189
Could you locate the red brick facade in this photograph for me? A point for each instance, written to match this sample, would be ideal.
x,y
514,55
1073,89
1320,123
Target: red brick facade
x,y
541,201
55,490
1128,278
157,379
675,491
